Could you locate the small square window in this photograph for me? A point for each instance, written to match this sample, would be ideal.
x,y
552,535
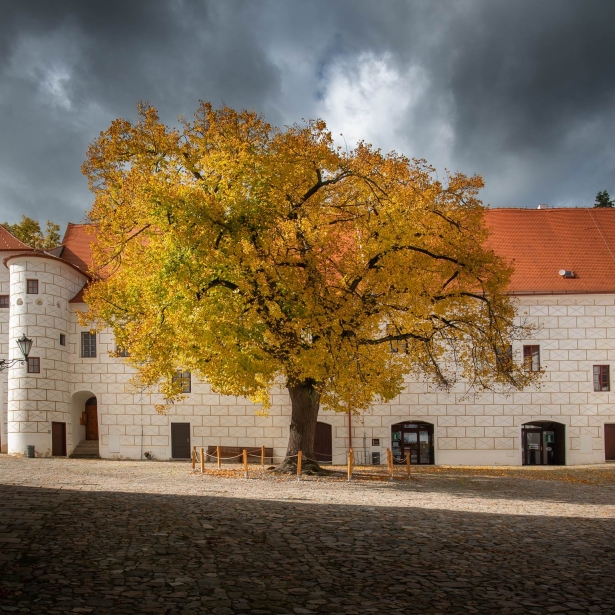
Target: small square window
x,y
122,352
88,344
32,287
185,379
4,301
34,365
531,358
62,339
602,378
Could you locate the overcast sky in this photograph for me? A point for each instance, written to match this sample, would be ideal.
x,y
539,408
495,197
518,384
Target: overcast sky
x,y
521,92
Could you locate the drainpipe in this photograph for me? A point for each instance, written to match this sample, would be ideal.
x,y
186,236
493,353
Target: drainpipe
x,y
349,429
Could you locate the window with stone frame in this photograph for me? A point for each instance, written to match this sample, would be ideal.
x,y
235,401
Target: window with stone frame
x,y
602,378
88,344
34,365
504,359
184,379
32,287
531,358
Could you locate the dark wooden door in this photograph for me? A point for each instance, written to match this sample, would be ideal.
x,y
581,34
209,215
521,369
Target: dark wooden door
x,y
609,442
323,443
58,439
91,419
180,440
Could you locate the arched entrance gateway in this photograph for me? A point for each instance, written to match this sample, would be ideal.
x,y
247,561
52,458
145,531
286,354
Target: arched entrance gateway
x,y
543,444
415,438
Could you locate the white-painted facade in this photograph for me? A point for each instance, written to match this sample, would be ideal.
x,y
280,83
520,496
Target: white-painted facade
x,y
576,332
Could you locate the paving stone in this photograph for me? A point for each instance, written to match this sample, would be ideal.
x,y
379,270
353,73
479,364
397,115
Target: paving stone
x,y
153,538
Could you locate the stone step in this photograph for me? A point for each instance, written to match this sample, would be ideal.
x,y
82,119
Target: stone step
x,y
87,449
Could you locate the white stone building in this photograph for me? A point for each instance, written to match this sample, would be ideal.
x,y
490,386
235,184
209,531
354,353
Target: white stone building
x,y
72,391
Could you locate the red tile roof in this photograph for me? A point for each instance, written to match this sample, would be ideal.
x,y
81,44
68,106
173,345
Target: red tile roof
x,y
77,241
537,242
78,298
8,241
541,242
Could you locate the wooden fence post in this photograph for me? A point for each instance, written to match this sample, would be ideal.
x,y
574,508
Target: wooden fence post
x,y
218,456
299,455
263,456
390,462
193,458
245,462
408,463
202,451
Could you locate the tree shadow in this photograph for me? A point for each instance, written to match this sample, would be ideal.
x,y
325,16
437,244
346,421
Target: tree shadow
x,y
115,552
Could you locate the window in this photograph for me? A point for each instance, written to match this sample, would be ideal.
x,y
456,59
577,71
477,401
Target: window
x,y
32,287
88,344
503,358
62,339
602,379
531,358
185,379
397,346
122,352
34,365
4,301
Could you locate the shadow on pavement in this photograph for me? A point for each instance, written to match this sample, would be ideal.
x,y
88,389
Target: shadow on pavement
x,y
112,552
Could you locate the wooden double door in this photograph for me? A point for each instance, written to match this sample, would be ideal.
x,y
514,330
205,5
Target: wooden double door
x,y
414,438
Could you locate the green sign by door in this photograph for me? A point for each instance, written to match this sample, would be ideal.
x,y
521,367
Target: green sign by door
x,y
549,437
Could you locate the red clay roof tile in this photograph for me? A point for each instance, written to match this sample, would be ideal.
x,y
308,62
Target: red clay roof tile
x,y
537,242
8,241
541,242
77,241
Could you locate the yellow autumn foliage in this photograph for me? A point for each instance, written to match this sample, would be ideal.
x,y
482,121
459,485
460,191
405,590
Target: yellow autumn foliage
x,y
252,255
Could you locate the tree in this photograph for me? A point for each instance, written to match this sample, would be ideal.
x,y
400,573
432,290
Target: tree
x,y
603,199
29,231
258,257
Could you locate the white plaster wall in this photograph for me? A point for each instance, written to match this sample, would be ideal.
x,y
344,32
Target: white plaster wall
x,y
35,400
576,332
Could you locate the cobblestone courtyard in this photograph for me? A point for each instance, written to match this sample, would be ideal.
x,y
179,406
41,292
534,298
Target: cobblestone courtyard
x,y
80,536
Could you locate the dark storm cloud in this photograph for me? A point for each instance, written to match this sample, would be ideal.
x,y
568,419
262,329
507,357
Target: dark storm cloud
x,y
520,92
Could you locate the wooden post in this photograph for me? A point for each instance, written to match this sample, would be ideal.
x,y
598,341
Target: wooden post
x,y
202,451
408,463
299,455
245,462
390,462
193,458
218,456
263,456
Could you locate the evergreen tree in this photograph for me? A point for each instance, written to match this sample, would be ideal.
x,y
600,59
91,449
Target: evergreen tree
x,y
603,199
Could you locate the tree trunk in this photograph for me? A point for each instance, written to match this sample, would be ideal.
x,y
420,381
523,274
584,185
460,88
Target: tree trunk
x,y
305,401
